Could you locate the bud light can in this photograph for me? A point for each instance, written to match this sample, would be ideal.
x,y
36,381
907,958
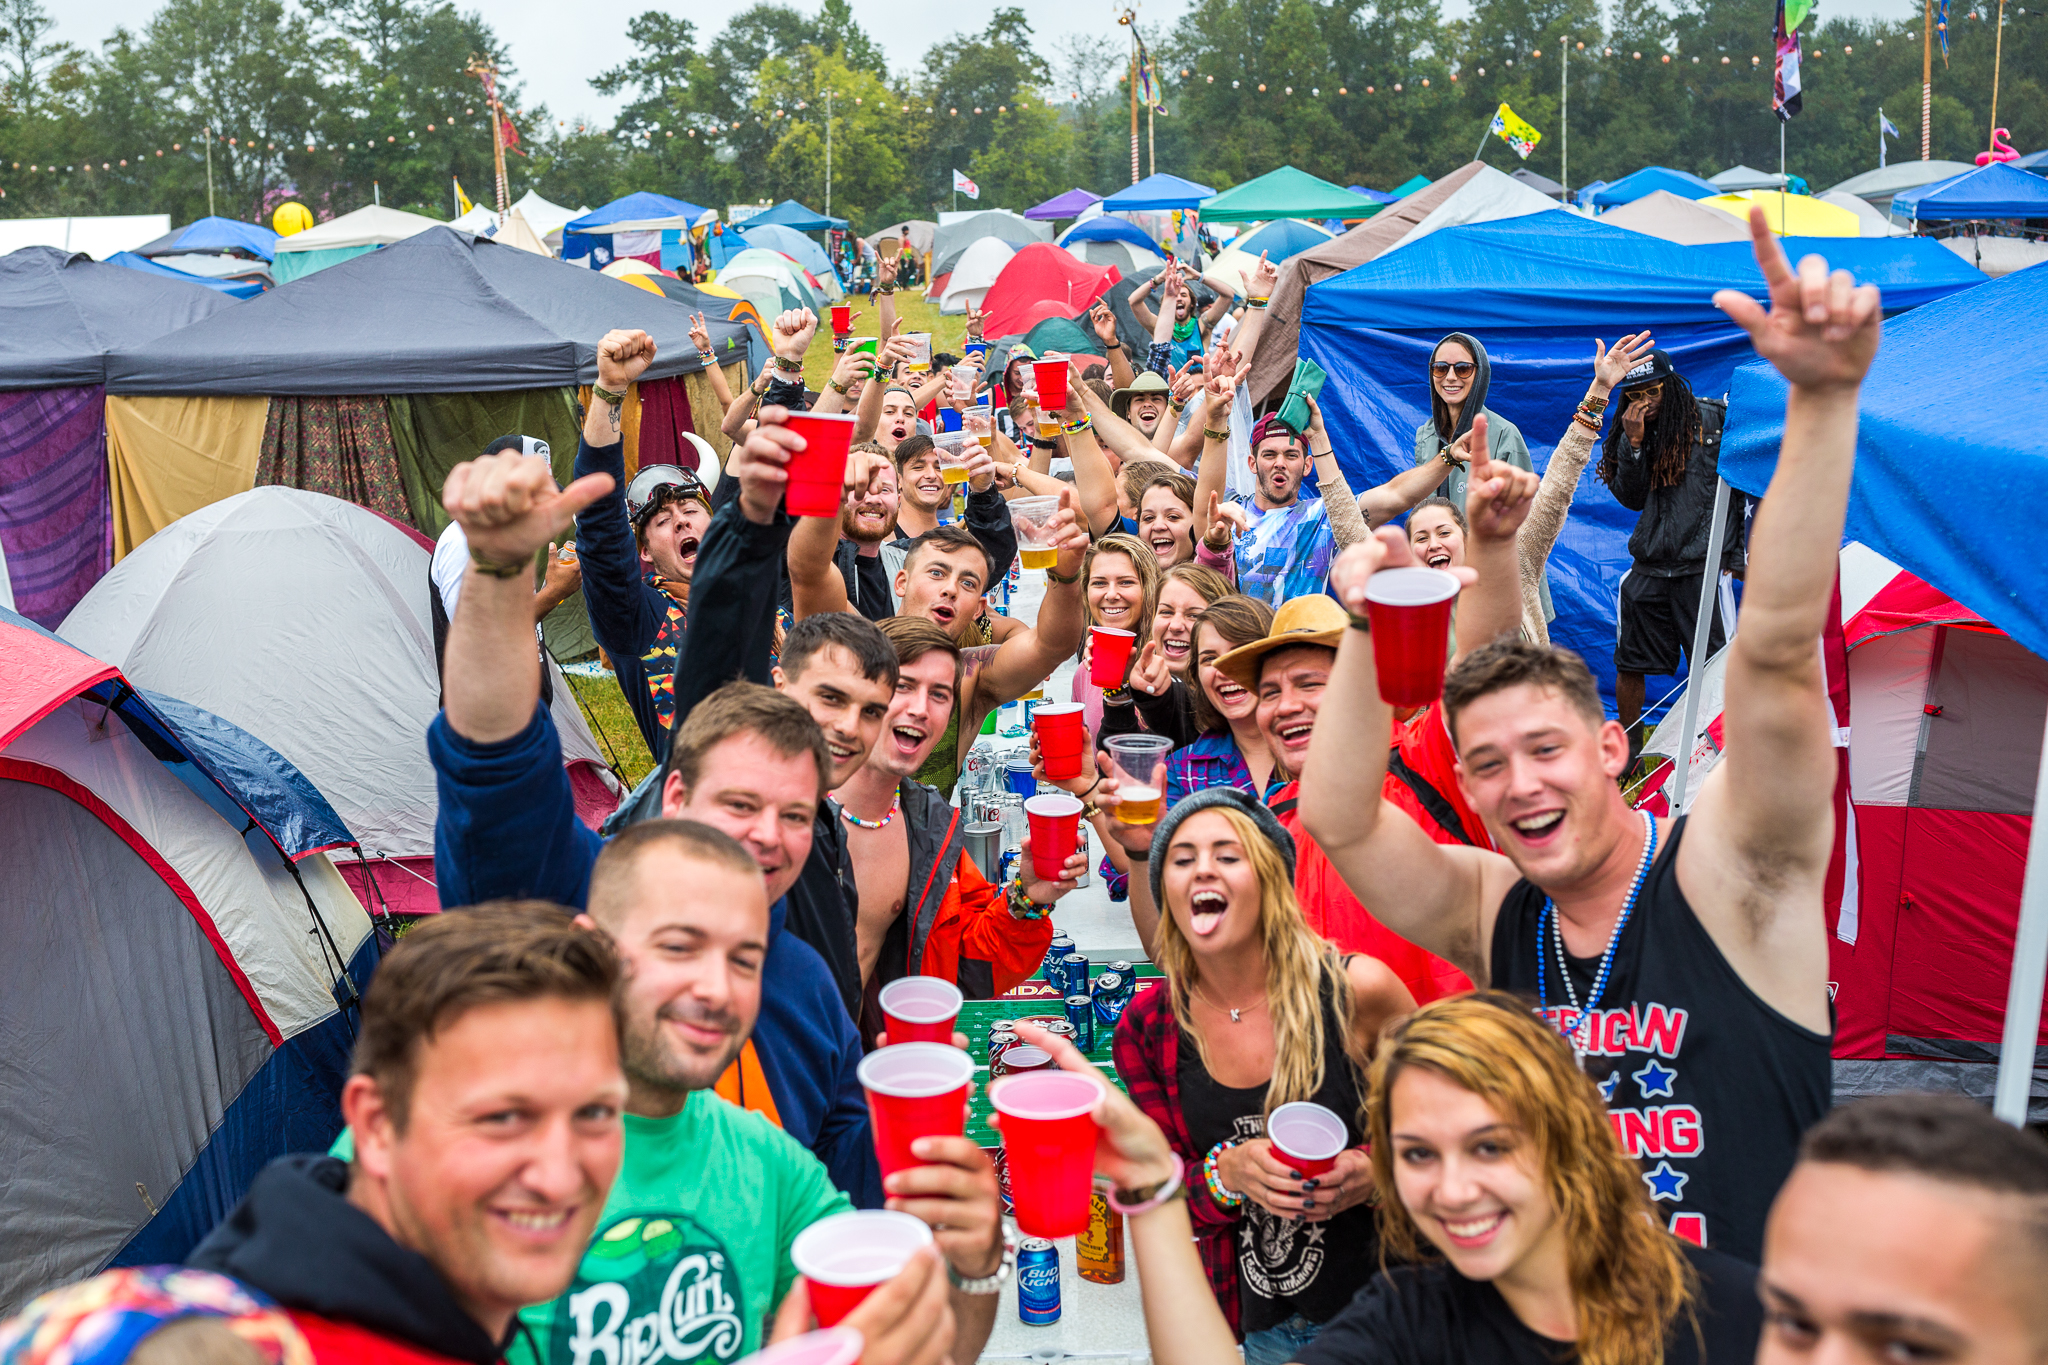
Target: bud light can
x,y
1121,968
999,1042
1081,1014
1075,969
1112,992
1038,1282
1053,969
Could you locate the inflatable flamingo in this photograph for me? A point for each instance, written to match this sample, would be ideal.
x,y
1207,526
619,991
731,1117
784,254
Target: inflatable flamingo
x,y
2001,149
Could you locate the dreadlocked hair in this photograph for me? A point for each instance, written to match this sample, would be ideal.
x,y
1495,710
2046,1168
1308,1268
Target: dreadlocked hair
x,y
1667,440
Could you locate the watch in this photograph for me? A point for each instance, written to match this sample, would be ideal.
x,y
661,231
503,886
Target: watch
x,y
988,1284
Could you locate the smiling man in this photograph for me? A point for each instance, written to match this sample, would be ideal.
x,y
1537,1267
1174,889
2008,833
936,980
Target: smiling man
x,y
1686,959
486,1095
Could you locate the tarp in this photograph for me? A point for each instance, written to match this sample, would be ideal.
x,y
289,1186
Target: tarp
x,y
1789,215
216,235
1068,205
1630,188
1158,191
56,530
791,214
1288,192
170,456
801,249
1671,218
234,289
1738,178
1537,290
1542,184
62,313
1042,281
1375,196
589,237
1884,182
441,313
951,241
1930,407
96,237
1280,240
1108,229
967,284
1869,222
1994,191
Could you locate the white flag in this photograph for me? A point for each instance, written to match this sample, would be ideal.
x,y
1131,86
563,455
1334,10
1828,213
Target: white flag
x,y
962,185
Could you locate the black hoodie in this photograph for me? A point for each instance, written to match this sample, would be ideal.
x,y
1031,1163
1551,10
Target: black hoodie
x,y
296,1237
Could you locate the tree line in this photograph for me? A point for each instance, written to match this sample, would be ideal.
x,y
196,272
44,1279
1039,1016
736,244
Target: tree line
x,y
337,102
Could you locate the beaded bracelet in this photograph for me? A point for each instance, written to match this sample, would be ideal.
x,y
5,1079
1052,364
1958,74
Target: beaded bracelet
x,y
1251,302
1086,423
1590,423
1223,1197
1021,905
707,357
1212,434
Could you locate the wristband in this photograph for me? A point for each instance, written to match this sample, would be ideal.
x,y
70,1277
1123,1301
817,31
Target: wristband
x,y
1131,1203
788,366
485,567
837,387
1257,303
1211,433
885,289
1176,404
759,387
606,396
1360,623
1053,576
1077,428
1116,696
1143,855
1225,1198
1594,405
1021,905
1043,444
707,357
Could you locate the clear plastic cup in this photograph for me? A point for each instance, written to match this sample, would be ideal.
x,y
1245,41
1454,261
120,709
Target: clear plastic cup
x,y
1140,778
1030,517
1410,612
953,447
979,423
1049,1138
920,1009
914,1090
1306,1136
845,1256
920,361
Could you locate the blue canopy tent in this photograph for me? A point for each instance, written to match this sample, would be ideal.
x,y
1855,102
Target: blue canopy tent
x,y
1376,196
790,242
234,289
215,235
1536,291
1282,238
791,214
1107,229
1630,188
1156,193
596,248
1994,191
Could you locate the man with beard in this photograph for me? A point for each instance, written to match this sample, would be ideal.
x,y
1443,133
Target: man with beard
x,y
850,546
924,491
638,545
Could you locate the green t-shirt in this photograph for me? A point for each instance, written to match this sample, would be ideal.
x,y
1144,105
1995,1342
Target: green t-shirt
x,y
691,1255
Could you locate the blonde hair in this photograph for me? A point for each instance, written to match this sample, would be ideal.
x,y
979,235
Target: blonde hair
x,y
1143,562
1628,1280
1298,962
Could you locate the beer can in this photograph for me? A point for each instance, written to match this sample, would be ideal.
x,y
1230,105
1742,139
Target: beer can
x,y
1121,968
1081,1014
1112,992
1038,1282
1075,966
1053,970
1061,1028
998,1044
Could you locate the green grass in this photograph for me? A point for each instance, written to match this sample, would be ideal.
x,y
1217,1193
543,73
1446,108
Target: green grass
x,y
918,316
613,726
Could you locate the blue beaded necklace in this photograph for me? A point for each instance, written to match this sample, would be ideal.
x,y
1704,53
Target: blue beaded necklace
x,y
1575,1035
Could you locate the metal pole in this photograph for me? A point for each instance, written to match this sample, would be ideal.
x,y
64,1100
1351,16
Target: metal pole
x,y
1134,106
2029,969
1782,181
1152,149
828,153
1997,56
1564,116
1926,79
1695,662
209,172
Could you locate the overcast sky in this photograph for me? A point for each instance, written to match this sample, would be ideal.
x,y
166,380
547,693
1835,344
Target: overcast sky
x,y
559,48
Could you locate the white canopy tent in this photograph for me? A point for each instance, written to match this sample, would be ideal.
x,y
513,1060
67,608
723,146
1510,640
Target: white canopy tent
x,y
1738,178
1871,222
98,238
370,225
1674,218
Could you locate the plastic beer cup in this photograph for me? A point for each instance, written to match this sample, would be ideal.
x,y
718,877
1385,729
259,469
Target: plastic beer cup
x,y
1410,612
1030,515
817,473
1306,1137
920,1009
1049,1138
1051,378
952,447
914,1090
1055,821
1062,734
845,1256
1109,654
1137,759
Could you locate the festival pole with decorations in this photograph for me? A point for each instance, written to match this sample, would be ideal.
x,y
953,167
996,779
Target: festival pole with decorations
x,y
487,72
1927,81
1129,19
1997,57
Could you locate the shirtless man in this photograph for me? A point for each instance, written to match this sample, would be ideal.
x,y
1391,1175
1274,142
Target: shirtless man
x,y
1685,959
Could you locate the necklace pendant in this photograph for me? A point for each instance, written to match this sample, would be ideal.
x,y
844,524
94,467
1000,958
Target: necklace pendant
x,y
1236,1017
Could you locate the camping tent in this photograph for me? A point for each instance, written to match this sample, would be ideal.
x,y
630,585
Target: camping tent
x,y
803,250
632,226
343,238
1410,186
1283,193
1738,178
1869,222
1125,256
967,284
1542,184
1108,229
1998,256
1880,185
305,620
234,289
757,271
179,949
1993,191
1042,281
60,316
1538,290
1630,188
952,240
1789,215
1157,191
1072,204
1672,218
97,237
791,214
214,236
1281,239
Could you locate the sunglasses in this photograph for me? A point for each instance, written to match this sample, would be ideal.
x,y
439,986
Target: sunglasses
x,y
1461,368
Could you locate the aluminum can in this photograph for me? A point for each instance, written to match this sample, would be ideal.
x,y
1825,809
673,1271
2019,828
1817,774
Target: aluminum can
x,y
1038,1282
999,1042
1075,968
1061,1028
1112,992
1121,968
1081,1014
1053,969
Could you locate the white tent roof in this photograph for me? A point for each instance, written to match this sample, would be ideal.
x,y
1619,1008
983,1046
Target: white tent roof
x,y
1997,256
1232,263
304,620
479,218
1873,223
544,216
97,237
920,231
975,271
1488,197
1738,178
370,225
1899,177
1127,257
512,230
1674,218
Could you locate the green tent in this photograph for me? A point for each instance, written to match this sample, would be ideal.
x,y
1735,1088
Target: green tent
x,y
1285,193
1410,185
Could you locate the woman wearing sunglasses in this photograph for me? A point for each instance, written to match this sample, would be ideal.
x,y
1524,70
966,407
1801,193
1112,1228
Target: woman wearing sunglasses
x,y
1459,376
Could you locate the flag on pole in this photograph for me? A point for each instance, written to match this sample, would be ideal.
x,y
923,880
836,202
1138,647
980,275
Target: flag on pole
x,y
1148,84
1512,129
1885,129
1890,129
1785,98
462,203
962,185
1941,30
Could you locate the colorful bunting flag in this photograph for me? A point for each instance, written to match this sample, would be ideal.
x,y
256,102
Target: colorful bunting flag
x,y
1785,99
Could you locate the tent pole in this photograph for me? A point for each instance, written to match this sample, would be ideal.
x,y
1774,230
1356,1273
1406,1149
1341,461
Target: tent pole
x,y
1695,662
2029,970
1564,115
209,172
828,155
1926,79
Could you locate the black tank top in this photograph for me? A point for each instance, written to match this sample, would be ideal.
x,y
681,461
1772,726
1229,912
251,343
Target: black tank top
x,y
1284,1267
1707,1086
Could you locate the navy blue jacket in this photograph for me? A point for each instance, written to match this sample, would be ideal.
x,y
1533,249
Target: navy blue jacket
x,y
627,612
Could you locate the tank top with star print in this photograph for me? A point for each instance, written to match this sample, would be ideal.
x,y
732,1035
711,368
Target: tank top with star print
x,y
1707,1087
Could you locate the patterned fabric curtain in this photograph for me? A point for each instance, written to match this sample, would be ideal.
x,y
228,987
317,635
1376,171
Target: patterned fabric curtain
x,y
56,523
339,446
664,417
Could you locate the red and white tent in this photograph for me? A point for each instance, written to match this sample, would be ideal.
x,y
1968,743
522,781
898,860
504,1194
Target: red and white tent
x,y
1940,715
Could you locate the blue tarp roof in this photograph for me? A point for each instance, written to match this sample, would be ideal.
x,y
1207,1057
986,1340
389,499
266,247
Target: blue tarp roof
x,y
1108,229
234,289
636,206
791,214
1156,192
214,234
1281,238
1377,196
1536,291
1630,188
1947,481
1994,191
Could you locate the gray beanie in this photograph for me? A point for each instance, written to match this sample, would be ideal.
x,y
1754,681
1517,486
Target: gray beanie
x,y
1211,798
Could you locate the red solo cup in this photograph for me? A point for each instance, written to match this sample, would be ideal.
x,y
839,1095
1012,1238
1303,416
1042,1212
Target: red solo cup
x,y
817,473
1062,735
1049,1137
845,1256
1022,1057
826,1346
1051,379
1410,612
914,1090
921,1009
842,319
1109,654
1055,820
1306,1137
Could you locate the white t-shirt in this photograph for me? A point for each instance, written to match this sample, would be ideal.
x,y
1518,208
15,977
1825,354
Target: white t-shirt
x,y
451,561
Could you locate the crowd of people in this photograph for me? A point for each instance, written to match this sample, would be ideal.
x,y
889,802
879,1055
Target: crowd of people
x,y
1580,1052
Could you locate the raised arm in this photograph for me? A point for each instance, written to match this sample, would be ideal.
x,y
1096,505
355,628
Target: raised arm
x,y
1258,290
1028,658
1141,310
1103,321
700,337
815,584
1094,481
1212,472
1347,521
1757,848
885,296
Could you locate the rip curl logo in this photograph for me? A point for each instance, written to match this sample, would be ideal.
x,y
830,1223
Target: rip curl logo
x,y
653,1287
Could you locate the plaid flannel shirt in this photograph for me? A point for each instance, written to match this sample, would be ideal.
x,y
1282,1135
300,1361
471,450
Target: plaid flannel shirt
x,y
1211,761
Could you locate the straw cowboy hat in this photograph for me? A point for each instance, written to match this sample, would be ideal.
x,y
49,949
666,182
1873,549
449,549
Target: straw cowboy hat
x,y
1315,619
